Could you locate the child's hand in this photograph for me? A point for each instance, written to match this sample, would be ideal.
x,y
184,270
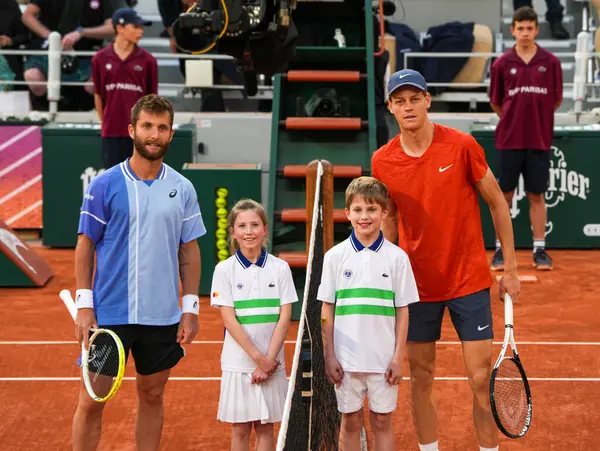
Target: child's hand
x,y
393,373
334,371
259,376
267,364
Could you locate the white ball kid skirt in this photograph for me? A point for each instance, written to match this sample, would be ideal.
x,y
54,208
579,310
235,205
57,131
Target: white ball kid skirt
x,y
242,402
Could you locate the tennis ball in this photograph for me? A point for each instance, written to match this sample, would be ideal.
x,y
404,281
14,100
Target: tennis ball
x,y
221,234
222,192
223,254
220,202
222,223
221,245
221,213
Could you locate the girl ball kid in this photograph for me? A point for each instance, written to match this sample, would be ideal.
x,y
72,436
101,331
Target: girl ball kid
x,y
254,292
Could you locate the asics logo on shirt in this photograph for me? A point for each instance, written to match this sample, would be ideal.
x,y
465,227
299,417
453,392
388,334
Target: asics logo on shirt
x,y
173,193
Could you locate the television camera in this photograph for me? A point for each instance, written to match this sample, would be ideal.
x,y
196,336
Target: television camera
x,y
259,34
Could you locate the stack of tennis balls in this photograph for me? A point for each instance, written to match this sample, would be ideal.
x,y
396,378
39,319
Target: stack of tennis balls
x,y
221,234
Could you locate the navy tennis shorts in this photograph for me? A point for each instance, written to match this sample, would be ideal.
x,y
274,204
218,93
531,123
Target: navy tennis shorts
x,y
471,316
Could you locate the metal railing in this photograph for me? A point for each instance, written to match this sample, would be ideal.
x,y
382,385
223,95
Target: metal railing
x,y
54,82
582,80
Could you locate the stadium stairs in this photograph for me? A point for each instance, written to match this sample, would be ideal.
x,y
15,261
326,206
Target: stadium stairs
x,y
346,138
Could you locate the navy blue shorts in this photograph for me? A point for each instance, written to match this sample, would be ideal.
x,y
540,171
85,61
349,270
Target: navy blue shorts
x,y
533,164
471,316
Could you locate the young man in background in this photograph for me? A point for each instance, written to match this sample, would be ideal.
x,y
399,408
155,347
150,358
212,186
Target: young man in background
x,y
122,72
526,88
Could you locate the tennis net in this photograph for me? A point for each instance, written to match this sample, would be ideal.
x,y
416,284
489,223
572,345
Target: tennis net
x,y
311,420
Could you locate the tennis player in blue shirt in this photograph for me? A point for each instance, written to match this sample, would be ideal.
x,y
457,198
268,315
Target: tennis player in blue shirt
x,y
141,218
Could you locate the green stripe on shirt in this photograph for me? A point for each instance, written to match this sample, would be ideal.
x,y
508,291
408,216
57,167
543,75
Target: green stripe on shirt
x,y
258,319
363,309
256,303
375,293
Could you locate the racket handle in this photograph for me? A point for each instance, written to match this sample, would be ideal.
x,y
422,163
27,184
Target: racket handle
x,y
508,310
67,299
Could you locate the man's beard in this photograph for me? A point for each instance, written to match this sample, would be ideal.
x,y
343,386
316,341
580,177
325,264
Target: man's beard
x,y
140,146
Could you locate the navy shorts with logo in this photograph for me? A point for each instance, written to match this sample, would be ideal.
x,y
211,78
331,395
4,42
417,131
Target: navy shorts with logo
x,y
533,164
154,348
471,316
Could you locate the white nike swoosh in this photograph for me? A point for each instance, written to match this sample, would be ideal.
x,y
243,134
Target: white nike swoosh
x,y
447,167
402,76
479,328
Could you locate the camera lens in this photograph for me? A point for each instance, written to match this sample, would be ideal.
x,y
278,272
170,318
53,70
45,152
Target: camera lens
x,y
325,107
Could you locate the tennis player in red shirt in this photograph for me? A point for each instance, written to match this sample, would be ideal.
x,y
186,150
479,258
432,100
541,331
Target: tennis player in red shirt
x,y
526,88
122,73
433,174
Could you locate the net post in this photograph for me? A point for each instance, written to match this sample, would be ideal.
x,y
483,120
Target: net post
x,y
311,183
327,184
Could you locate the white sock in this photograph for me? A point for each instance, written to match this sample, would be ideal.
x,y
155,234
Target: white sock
x,y
538,244
498,245
429,447
481,448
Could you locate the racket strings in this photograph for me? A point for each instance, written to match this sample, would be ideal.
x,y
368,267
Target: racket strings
x,y
511,397
103,364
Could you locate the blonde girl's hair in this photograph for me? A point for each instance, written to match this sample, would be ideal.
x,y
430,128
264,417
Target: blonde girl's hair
x,y
244,205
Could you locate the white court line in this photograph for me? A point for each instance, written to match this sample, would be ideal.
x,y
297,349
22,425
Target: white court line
x,y
21,188
24,212
203,379
208,342
20,161
537,343
217,342
17,137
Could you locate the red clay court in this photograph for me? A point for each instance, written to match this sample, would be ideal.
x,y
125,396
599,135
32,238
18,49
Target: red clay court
x,y
557,328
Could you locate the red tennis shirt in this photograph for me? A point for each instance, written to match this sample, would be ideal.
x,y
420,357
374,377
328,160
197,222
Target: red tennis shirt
x,y
527,93
439,224
120,83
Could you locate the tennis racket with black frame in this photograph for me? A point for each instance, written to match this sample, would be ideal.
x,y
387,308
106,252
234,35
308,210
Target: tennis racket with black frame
x,y
510,395
103,363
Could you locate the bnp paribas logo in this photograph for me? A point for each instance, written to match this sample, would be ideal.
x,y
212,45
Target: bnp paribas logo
x,y
88,175
563,184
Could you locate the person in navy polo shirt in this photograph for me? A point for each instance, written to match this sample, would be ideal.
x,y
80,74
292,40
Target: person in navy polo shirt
x,y
526,88
122,74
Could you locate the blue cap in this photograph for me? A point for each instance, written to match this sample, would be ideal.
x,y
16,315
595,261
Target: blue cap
x,y
406,77
124,16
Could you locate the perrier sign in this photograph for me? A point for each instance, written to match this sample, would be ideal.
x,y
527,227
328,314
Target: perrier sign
x,y
573,193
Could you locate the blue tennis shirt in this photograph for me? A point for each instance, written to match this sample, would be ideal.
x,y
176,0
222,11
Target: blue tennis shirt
x,y
138,226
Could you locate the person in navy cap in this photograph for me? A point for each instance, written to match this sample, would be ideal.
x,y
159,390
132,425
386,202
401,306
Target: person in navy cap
x,y
433,174
124,16
122,73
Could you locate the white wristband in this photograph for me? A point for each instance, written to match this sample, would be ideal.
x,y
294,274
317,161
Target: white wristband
x,y
84,299
190,303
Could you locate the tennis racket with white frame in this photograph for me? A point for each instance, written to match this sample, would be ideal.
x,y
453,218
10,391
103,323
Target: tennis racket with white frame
x,y
103,363
510,395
